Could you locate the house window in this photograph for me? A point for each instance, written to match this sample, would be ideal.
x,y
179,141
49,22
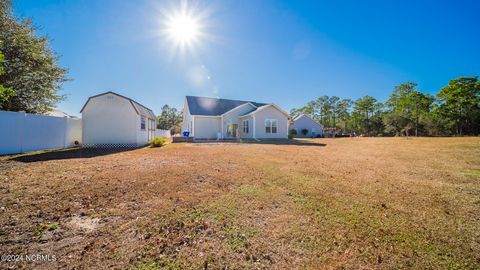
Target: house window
x,y
245,126
142,123
271,126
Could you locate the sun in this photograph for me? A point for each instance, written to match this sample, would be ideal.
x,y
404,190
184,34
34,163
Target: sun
x,y
183,28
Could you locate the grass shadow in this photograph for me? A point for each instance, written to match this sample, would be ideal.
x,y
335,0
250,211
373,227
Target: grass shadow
x,y
286,142
69,153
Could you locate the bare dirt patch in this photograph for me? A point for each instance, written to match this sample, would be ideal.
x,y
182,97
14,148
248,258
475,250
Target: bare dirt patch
x,y
375,203
85,224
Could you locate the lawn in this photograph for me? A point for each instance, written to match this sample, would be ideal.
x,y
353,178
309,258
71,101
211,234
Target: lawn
x,y
353,203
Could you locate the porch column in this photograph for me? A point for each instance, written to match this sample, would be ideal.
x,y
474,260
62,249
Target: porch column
x,y
254,133
221,127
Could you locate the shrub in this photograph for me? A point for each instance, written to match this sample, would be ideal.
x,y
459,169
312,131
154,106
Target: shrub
x,y
292,133
158,142
304,132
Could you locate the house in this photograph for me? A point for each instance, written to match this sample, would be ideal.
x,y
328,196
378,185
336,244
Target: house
x,y
112,120
216,118
59,113
305,122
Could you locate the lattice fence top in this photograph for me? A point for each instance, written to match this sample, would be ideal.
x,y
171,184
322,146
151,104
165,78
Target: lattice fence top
x,y
110,145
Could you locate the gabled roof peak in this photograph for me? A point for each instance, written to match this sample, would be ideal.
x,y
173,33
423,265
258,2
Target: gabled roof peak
x,y
307,116
214,106
139,108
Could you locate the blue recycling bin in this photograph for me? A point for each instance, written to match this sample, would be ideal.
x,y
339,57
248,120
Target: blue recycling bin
x,y
186,133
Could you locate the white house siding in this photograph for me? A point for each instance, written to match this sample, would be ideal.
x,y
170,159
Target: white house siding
x,y
232,117
305,122
110,119
248,135
271,113
187,118
142,135
206,127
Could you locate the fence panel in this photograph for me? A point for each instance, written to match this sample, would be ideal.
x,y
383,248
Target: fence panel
x,y
43,132
161,133
11,125
73,132
22,132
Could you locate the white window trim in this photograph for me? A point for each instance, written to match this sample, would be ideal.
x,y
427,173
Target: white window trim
x,y
245,126
144,122
271,126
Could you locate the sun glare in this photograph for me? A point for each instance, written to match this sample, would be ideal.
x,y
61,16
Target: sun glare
x,y
183,26
183,29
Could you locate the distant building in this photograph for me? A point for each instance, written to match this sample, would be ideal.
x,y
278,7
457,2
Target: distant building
x,y
59,113
305,122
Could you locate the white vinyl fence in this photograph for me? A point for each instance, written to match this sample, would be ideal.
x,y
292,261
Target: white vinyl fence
x,y
162,133
23,132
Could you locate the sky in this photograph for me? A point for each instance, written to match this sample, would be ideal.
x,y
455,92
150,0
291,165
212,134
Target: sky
x,y
285,52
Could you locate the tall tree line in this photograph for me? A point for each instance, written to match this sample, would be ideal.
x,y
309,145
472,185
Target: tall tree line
x,y
170,119
454,110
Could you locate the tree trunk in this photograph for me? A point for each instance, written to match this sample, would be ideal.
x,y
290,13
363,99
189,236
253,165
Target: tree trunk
x,y
334,122
416,118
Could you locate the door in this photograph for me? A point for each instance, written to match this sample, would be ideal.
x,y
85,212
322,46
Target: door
x,y
232,131
151,130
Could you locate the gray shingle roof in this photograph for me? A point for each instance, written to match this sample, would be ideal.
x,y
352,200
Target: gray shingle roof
x,y
214,106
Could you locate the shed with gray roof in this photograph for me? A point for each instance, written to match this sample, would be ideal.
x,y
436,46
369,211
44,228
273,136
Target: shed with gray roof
x,y
113,120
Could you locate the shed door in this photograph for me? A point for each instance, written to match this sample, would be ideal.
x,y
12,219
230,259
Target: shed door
x,y
151,129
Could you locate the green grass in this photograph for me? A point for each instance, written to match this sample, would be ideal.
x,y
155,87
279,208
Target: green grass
x,y
164,264
472,172
43,228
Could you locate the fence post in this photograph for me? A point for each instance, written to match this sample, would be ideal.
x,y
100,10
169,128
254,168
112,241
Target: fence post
x,y
21,122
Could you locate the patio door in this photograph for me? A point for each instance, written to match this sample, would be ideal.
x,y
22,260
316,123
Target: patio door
x,y
232,131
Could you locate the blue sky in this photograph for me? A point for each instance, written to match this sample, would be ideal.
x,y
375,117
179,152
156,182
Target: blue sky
x,y
286,52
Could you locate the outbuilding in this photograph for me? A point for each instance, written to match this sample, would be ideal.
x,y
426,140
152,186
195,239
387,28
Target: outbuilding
x,y
306,127
112,120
